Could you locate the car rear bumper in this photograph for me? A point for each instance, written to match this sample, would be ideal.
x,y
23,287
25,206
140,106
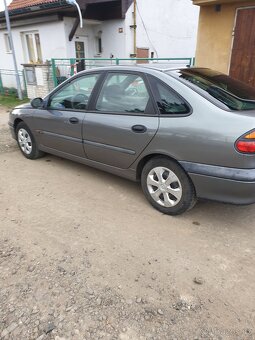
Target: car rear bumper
x,y
223,184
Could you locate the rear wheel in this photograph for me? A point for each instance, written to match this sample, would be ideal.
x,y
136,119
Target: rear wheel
x,y
26,142
167,187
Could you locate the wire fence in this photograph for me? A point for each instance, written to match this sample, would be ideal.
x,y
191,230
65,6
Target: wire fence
x,y
8,85
64,68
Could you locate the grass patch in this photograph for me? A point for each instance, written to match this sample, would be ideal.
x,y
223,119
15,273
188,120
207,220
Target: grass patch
x,y
11,101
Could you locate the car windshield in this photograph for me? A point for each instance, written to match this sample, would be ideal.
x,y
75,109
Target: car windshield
x,y
235,94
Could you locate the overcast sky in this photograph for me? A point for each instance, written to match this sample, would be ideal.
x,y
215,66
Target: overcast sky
x,y
2,4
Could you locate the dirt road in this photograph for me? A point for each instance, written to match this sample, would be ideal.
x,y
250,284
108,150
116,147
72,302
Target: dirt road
x,y
84,256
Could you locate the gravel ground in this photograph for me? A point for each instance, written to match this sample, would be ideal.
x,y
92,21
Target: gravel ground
x,y
83,256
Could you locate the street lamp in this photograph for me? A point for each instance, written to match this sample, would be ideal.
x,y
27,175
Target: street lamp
x,y
8,25
74,3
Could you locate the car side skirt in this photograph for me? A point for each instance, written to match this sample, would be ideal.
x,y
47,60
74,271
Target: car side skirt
x,y
125,173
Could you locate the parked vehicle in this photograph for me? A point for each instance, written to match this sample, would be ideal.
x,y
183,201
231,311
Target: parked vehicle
x,y
184,133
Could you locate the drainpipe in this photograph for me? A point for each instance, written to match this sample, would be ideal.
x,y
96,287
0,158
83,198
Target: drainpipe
x,y
135,27
8,25
74,3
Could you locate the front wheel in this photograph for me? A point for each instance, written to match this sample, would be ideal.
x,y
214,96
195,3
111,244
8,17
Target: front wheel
x,y
167,187
26,142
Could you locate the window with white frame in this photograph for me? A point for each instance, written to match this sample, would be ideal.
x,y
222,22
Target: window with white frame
x,y
33,47
7,43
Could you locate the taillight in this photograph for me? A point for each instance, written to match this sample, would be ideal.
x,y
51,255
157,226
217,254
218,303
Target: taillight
x,y
246,143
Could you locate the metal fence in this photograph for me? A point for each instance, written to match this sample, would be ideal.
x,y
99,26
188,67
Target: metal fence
x,y
64,68
8,84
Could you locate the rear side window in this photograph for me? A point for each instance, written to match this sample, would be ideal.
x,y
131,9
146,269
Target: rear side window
x,y
123,93
235,94
168,101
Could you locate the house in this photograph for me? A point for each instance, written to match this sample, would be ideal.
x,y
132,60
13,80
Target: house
x,y
45,29
226,37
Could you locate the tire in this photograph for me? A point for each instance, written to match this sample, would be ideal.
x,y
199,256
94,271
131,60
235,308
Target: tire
x,y
167,187
26,142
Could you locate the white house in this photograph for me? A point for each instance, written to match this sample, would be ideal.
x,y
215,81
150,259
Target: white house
x,y
45,29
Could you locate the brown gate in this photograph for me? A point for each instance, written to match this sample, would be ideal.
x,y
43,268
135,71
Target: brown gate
x,y
242,66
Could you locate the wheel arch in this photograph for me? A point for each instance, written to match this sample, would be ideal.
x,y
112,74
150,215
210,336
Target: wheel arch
x,y
16,122
145,159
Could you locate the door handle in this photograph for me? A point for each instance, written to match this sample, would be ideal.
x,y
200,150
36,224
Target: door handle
x,y
74,120
139,128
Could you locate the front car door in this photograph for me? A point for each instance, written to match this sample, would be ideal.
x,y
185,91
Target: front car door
x,y
122,122
59,126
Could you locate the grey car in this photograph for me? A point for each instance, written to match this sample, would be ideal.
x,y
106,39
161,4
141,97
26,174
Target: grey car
x,y
184,134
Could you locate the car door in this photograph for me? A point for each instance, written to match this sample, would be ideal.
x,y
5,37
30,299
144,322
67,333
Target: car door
x,y
123,120
59,125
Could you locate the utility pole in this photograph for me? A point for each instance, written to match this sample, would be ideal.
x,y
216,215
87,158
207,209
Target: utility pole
x,y
135,27
8,25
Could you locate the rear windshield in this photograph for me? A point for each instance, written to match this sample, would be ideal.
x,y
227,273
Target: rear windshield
x,y
235,94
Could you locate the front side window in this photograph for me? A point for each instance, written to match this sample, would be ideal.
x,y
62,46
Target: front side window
x,y
34,52
75,95
168,102
123,93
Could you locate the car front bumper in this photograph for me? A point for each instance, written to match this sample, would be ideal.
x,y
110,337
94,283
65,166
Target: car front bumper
x,y
230,185
12,130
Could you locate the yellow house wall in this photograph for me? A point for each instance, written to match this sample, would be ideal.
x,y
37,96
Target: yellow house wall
x,y
215,35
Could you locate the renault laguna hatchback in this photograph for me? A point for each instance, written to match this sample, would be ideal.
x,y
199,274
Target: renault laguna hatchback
x,y
184,134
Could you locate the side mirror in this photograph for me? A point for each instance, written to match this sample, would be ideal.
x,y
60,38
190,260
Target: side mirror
x,y
37,103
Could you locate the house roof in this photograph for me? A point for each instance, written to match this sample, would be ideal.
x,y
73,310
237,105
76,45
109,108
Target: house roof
x,y
93,9
216,2
17,4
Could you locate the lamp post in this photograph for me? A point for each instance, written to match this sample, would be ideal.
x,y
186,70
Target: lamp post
x,y
8,25
74,3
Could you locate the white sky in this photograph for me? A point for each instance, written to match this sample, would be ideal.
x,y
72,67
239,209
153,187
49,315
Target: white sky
x,y
2,4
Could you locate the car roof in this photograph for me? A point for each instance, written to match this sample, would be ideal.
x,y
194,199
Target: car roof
x,y
146,68
136,68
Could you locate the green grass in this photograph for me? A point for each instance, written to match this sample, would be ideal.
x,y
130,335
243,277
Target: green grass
x,y
11,101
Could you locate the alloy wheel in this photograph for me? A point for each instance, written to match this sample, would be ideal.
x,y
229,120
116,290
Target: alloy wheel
x,y
164,187
25,141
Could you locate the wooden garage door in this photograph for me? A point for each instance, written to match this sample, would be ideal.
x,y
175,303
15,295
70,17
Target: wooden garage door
x,y
242,65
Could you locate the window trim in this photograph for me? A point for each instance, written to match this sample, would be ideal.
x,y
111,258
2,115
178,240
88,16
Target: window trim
x,y
151,102
7,43
156,95
68,82
99,45
33,33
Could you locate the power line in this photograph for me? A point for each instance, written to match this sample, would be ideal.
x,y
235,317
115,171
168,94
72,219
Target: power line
x,y
152,45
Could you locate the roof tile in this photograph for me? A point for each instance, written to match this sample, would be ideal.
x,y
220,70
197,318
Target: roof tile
x,y
16,4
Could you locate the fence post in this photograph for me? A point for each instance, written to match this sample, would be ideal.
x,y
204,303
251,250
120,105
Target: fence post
x,y
1,84
54,75
117,61
25,82
72,64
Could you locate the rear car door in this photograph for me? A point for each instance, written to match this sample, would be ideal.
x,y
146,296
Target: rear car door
x,y
59,126
122,121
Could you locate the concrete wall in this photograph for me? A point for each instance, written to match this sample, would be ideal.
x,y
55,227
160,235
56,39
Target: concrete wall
x,y
171,27
170,24
53,45
215,37
113,42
